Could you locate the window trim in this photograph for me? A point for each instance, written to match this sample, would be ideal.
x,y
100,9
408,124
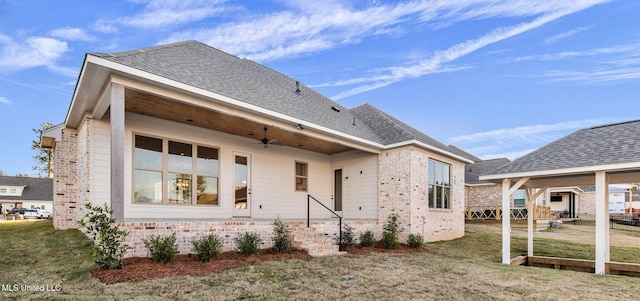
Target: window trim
x,y
164,170
433,186
304,177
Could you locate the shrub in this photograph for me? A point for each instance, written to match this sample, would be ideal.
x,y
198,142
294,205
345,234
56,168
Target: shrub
x,y
348,238
207,247
367,239
415,240
390,234
281,241
248,243
161,249
108,239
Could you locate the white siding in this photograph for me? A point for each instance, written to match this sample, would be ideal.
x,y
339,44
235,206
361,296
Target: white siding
x,y
360,184
100,145
272,173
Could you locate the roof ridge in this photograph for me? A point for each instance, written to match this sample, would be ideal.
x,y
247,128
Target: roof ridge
x,y
613,124
127,53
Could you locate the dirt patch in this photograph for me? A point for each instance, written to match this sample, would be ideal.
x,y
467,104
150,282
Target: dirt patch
x,y
142,268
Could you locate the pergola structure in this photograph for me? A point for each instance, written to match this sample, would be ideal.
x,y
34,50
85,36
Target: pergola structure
x,y
600,156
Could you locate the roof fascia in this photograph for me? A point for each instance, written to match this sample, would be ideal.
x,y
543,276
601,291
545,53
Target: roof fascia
x,y
429,147
564,171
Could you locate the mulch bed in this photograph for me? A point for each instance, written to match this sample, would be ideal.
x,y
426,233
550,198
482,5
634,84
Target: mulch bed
x,y
142,268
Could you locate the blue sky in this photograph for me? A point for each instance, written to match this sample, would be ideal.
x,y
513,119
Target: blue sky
x,y
496,78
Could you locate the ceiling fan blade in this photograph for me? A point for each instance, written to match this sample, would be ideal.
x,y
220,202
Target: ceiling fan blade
x,y
271,141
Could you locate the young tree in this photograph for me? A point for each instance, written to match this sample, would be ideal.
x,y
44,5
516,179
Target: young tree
x,y
44,156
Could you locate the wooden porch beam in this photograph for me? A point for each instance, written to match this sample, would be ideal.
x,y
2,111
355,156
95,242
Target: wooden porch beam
x,y
116,101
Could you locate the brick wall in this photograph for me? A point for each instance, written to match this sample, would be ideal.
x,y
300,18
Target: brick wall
x,y
226,230
65,204
489,195
403,190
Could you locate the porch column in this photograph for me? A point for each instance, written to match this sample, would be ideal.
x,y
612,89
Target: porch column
x,y
506,222
530,201
116,103
602,221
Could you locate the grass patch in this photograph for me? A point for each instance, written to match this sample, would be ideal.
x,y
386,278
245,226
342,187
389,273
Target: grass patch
x,y
465,268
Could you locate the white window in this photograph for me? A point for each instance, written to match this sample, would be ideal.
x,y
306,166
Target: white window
x,y
519,198
3,190
179,163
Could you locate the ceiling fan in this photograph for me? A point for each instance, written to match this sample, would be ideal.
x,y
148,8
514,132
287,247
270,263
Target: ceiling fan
x,y
265,141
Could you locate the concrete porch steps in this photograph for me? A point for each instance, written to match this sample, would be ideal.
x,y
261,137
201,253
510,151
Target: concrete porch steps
x,y
317,244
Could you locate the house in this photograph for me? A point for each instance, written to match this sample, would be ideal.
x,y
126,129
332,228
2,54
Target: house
x,y
186,138
26,192
599,156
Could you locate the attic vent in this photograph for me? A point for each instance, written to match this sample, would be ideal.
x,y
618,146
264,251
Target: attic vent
x,y
298,87
335,109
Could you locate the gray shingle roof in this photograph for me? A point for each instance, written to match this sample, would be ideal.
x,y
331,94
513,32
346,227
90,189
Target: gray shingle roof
x,y
601,145
202,66
391,130
473,171
460,152
38,189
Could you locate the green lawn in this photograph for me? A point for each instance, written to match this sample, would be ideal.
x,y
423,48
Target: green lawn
x,y
32,253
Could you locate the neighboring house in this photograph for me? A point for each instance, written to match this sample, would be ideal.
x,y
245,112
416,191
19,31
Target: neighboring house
x,y
186,138
482,193
26,192
619,200
599,156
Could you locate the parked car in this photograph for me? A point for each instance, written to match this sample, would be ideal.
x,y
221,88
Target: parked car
x,y
43,213
36,213
18,210
30,213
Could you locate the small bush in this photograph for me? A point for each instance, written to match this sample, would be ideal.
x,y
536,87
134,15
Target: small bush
x,y
207,247
348,238
161,249
281,241
390,234
389,240
248,243
108,239
415,240
367,239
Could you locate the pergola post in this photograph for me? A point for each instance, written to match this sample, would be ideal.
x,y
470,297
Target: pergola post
x,y
116,103
506,221
530,213
602,221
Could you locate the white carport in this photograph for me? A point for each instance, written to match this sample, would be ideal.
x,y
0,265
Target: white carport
x,y
600,156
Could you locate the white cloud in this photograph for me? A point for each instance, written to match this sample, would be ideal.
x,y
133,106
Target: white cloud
x,y
435,63
312,26
515,142
560,36
530,133
72,34
4,100
33,52
165,13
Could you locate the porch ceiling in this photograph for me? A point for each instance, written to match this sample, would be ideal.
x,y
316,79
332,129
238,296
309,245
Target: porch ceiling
x,y
152,105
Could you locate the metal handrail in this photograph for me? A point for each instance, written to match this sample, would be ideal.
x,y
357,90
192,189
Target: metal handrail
x,y
309,197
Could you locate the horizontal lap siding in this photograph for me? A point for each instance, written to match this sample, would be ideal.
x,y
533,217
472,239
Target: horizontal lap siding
x,y
100,168
360,184
272,174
